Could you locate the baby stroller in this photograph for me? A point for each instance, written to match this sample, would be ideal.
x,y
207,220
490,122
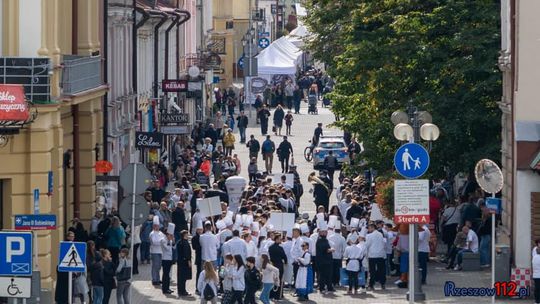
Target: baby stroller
x,y
312,104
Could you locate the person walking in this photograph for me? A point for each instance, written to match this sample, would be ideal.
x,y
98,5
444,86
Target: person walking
x,y
279,259
219,122
109,272
115,237
253,281
297,97
324,252
304,277
284,152
156,252
339,244
270,278
288,122
263,115
208,284
289,94
239,283
254,147
95,268
423,251
123,276
228,142
330,164
279,115
167,247
183,254
268,148
242,125
376,253
354,255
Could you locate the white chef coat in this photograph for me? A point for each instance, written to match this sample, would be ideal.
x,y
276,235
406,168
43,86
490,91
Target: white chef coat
x,y
391,236
296,249
312,249
252,250
339,245
376,245
156,240
235,246
209,246
167,247
354,254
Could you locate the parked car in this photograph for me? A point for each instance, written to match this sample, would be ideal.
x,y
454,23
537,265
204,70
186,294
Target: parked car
x,y
326,144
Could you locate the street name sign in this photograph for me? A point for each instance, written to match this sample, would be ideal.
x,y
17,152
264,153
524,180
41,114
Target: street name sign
x,y
35,222
411,201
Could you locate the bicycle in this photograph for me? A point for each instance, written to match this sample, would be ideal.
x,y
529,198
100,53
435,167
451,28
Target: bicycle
x,y
308,152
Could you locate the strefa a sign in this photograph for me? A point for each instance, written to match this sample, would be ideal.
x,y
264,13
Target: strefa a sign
x,y
411,201
13,106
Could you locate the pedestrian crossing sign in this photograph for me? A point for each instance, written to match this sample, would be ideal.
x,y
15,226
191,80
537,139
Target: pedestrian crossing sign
x,y
72,257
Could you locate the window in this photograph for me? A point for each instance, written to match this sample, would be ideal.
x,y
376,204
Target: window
x,y
332,145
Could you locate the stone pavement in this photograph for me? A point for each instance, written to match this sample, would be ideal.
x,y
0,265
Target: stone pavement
x,y
302,131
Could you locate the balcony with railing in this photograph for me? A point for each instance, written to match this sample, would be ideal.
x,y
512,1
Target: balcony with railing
x,y
80,73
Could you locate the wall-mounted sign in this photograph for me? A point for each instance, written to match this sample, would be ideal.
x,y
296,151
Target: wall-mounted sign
x,y
175,130
174,85
212,60
178,118
13,106
148,140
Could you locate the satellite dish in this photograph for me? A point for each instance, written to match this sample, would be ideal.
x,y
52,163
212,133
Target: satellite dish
x,y
403,131
194,71
399,117
489,176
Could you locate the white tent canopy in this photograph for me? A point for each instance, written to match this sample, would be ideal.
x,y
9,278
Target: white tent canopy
x,y
279,58
297,35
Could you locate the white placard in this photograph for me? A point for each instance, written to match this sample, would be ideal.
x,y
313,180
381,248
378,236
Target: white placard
x,y
282,221
411,201
289,181
235,187
15,287
209,206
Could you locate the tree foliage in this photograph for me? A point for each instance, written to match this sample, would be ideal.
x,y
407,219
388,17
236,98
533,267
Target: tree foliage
x,y
441,55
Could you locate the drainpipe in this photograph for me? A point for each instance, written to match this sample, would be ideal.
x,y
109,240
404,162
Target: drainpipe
x,y
105,55
176,18
186,15
164,18
135,28
76,163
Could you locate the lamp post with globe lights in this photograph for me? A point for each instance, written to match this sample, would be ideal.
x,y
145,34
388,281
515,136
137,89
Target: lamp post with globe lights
x,y
411,126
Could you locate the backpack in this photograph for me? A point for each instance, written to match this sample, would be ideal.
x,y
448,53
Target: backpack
x,y
208,292
267,146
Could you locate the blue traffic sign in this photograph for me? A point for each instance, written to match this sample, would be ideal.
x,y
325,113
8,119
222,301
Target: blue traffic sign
x,y
264,43
15,253
72,257
411,160
35,222
241,63
494,205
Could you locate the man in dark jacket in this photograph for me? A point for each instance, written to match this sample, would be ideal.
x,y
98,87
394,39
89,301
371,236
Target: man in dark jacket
x,y
330,164
242,125
178,217
183,250
263,115
324,261
284,151
253,281
212,134
321,192
254,147
278,259
196,243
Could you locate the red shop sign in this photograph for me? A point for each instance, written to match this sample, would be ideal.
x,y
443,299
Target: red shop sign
x,y
13,106
174,85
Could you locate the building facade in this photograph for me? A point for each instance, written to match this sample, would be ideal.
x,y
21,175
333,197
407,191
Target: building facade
x,y
57,46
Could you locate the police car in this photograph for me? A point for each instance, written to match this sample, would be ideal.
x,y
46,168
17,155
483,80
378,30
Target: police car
x,y
330,143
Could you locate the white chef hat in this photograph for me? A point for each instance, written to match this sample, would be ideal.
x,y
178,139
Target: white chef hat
x,y
170,228
155,220
255,226
363,232
238,220
322,225
304,228
198,225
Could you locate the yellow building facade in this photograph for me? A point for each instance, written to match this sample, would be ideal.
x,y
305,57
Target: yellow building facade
x,y
68,125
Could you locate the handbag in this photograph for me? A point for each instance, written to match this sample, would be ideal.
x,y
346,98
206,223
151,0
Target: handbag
x,y
124,274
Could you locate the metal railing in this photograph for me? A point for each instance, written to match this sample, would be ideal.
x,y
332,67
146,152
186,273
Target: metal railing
x,y
80,73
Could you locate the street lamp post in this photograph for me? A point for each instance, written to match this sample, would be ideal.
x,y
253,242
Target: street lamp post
x,y
412,126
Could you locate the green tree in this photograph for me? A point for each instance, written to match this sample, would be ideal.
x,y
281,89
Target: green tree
x,y
439,54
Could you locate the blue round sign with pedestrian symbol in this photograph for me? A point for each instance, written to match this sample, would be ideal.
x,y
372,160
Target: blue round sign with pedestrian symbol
x,y
264,43
411,160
